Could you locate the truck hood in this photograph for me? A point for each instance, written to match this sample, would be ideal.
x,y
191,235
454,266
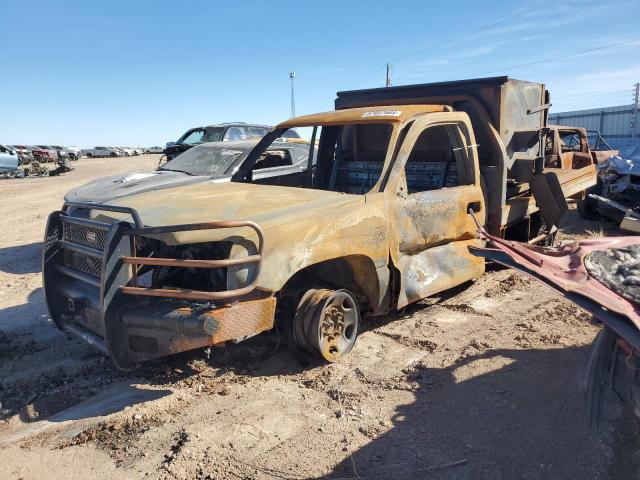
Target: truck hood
x,y
267,205
111,188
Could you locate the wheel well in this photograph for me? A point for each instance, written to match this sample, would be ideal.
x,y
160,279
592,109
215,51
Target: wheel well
x,y
356,273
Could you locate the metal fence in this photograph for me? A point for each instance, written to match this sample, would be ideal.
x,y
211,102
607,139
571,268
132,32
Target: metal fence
x,y
616,124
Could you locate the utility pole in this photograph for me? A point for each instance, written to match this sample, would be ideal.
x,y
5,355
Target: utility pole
x,y
636,106
292,75
388,78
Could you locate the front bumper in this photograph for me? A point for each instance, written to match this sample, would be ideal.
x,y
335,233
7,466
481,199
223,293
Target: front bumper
x,y
90,277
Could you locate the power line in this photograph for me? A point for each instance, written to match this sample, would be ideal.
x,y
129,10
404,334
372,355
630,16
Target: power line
x,y
470,34
591,98
459,37
599,92
559,57
588,106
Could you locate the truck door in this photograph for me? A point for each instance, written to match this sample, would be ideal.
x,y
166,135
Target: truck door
x,y
437,184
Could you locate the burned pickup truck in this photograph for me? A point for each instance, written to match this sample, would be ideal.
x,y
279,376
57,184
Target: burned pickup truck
x,y
381,221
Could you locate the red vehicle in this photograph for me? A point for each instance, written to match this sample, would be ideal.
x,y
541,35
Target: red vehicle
x,y
42,154
601,275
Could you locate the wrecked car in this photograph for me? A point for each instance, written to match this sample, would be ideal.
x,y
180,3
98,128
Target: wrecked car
x,y
8,161
44,154
209,162
601,275
99,152
222,132
381,221
617,195
25,155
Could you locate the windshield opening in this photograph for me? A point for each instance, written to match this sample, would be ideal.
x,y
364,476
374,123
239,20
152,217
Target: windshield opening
x,y
206,160
192,137
347,158
197,136
570,141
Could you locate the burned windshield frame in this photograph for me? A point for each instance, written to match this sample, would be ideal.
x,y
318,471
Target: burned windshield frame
x,y
245,172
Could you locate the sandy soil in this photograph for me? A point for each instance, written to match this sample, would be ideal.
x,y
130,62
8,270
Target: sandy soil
x,y
483,382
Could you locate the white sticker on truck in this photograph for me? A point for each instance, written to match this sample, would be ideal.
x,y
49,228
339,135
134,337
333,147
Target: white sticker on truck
x,y
382,113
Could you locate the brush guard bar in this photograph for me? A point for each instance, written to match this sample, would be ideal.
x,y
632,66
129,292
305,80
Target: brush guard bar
x,y
136,262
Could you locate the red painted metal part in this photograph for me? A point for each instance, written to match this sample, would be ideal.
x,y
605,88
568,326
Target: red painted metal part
x,y
564,267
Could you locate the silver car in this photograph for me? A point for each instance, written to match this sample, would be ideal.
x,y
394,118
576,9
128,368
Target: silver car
x,y
210,162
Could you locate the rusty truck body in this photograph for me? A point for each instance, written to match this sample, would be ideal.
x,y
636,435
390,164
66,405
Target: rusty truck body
x,y
380,221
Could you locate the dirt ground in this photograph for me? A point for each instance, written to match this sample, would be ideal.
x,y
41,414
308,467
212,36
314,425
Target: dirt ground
x,y
481,383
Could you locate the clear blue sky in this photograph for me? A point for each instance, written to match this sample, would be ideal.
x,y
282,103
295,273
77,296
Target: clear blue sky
x,y
142,72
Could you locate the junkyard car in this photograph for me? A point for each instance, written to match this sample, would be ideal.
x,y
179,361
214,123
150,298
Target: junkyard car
x,y
208,162
102,152
44,154
24,153
601,276
128,152
617,195
223,132
8,161
382,220
61,154
73,153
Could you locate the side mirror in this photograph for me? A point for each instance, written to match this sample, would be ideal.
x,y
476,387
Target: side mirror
x,y
170,144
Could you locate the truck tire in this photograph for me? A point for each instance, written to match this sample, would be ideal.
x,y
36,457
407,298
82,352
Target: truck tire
x,y
326,323
89,155
612,385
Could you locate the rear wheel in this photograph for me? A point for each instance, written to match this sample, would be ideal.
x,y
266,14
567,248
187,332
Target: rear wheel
x,y
326,323
612,386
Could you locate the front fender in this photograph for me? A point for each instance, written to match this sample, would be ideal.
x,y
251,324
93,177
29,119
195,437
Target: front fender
x,y
359,230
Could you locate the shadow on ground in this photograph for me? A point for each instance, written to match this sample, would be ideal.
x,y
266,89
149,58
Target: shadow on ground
x,y
462,426
21,259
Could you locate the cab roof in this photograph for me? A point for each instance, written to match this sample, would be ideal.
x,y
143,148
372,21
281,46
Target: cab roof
x,y
383,114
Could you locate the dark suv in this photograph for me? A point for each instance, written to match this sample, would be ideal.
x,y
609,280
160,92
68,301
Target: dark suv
x,y
221,132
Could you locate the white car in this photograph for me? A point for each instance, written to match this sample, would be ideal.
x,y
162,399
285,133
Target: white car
x,y
128,152
74,153
154,150
102,152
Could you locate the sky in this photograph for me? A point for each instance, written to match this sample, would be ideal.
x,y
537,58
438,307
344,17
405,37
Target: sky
x,y
140,73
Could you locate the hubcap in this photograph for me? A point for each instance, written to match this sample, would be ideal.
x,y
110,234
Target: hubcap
x,y
337,325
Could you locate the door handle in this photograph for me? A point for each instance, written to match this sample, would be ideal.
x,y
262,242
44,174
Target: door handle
x,y
474,207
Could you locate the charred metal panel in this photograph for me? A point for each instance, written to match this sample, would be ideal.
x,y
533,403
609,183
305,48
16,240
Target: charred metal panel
x,y
436,217
153,328
437,269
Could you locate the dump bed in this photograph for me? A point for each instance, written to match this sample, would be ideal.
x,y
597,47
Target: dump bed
x,y
509,105
507,116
